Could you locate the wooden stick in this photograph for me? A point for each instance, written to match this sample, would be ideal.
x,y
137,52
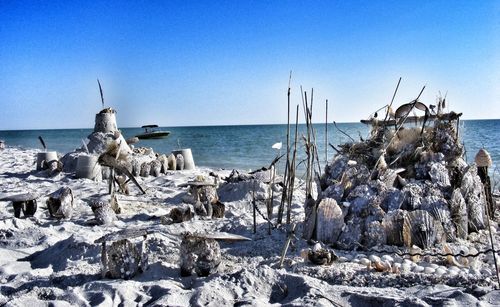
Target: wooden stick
x,y
254,209
326,132
287,244
287,165
392,100
291,176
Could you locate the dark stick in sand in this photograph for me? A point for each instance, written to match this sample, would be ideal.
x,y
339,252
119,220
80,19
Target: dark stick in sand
x,y
291,175
100,90
43,143
287,165
326,131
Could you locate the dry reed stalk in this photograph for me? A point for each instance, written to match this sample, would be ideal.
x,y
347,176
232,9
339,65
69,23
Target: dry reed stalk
x,y
291,175
287,165
326,132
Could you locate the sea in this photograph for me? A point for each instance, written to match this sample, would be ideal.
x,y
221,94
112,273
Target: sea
x,y
250,147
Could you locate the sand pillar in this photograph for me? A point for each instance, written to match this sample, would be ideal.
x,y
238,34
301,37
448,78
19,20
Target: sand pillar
x,y
105,121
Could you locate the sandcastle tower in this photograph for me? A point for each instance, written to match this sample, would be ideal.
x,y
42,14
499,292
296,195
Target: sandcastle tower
x,y
105,121
106,131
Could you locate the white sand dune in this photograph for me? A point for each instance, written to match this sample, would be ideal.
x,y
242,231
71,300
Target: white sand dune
x,y
45,261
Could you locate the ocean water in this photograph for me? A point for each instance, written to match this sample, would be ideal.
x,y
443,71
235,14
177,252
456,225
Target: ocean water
x,y
250,147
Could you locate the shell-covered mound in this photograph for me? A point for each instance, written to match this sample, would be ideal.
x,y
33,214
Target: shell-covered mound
x,y
404,185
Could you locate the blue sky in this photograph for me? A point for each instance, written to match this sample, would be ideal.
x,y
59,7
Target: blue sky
x,y
177,63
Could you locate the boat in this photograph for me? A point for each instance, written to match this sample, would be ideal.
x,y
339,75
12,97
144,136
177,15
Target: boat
x,y
151,133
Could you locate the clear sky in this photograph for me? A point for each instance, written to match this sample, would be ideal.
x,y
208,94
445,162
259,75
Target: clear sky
x,y
177,63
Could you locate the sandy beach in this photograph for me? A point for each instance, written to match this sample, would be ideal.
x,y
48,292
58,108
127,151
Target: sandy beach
x,y
45,261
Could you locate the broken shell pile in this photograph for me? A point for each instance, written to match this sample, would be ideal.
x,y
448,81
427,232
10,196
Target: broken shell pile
x,y
406,187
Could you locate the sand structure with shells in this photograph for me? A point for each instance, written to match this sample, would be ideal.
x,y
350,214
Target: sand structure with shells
x,y
406,185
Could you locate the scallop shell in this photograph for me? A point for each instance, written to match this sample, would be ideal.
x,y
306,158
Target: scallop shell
x,y
421,229
483,158
439,174
458,210
375,234
155,168
393,225
329,221
413,196
351,234
438,208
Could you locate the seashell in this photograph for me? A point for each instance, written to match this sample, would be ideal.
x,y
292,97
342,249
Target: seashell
x,y
483,158
438,208
60,203
155,168
458,211
413,196
393,224
350,235
329,221
342,259
415,252
439,174
393,199
179,161
123,259
421,229
441,271
406,267
335,191
382,266
374,258
388,177
364,261
473,192
317,247
199,254
145,169
396,268
387,258
418,269
375,234
450,259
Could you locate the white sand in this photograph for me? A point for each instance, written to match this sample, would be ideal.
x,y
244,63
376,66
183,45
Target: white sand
x,y
64,267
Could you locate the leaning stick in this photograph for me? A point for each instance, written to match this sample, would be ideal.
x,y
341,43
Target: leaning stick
x,y
291,177
287,244
326,132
